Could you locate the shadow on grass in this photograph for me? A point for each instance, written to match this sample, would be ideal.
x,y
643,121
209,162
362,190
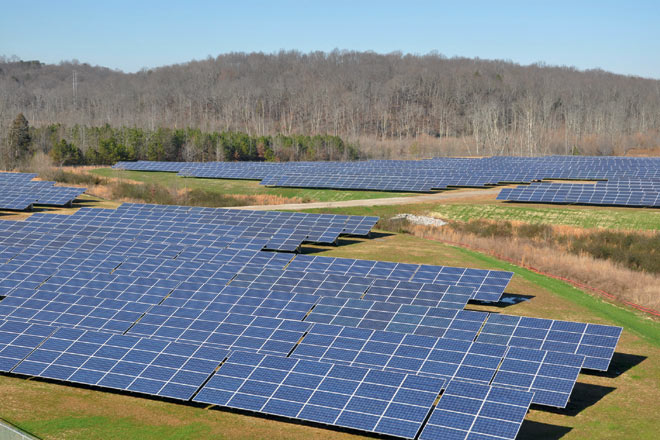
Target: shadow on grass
x,y
345,240
506,300
531,430
583,396
621,362
85,203
299,422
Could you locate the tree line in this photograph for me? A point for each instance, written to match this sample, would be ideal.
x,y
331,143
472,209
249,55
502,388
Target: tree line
x,y
486,107
106,145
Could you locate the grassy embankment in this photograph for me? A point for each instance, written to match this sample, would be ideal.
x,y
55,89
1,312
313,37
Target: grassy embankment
x,y
623,262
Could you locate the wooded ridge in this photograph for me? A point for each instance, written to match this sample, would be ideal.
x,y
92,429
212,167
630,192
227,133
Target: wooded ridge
x,y
458,105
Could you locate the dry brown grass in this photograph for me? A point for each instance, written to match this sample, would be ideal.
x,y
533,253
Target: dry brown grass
x,y
109,191
267,199
625,284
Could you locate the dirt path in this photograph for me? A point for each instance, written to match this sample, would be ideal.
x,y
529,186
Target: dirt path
x,y
426,198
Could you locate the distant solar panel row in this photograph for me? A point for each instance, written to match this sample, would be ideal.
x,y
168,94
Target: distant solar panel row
x,y
204,232
607,194
415,176
18,192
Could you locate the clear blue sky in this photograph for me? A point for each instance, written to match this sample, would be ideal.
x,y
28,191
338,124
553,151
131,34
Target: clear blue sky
x,y
619,36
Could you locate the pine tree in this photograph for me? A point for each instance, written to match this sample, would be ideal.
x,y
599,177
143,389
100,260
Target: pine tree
x,y
19,138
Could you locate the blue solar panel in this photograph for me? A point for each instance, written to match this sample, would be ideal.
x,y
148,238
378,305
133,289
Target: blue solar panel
x,y
351,397
166,369
595,342
486,285
425,175
421,320
18,340
468,410
601,193
18,192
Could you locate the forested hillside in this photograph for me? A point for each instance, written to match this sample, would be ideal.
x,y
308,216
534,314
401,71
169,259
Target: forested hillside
x,y
388,104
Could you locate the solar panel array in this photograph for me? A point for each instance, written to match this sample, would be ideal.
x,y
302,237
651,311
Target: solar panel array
x,y
422,175
473,411
352,397
637,193
153,300
18,192
185,229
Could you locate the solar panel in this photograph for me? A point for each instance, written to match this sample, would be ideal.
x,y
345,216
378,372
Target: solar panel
x,y
152,299
18,340
161,368
393,351
18,192
351,397
216,228
473,411
602,193
488,285
225,330
70,310
595,342
418,320
550,375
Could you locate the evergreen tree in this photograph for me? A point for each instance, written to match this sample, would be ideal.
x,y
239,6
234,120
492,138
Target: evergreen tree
x,y
65,153
19,139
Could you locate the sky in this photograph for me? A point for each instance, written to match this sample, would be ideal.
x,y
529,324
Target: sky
x,y
617,36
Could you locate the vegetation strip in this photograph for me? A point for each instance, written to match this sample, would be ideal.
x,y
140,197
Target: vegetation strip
x,y
540,272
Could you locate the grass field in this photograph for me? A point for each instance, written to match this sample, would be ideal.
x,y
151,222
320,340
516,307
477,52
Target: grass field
x,y
246,187
578,216
619,404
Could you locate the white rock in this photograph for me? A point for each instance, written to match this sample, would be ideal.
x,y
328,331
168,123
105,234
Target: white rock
x,y
420,219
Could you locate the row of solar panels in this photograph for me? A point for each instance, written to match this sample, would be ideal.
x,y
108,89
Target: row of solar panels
x,y
414,176
210,231
171,369
19,193
55,303
304,273
170,309
54,271
608,194
327,277
368,400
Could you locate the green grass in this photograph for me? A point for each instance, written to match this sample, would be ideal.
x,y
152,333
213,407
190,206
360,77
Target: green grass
x,y
247,187
382,211
83,427
582,217
626,318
